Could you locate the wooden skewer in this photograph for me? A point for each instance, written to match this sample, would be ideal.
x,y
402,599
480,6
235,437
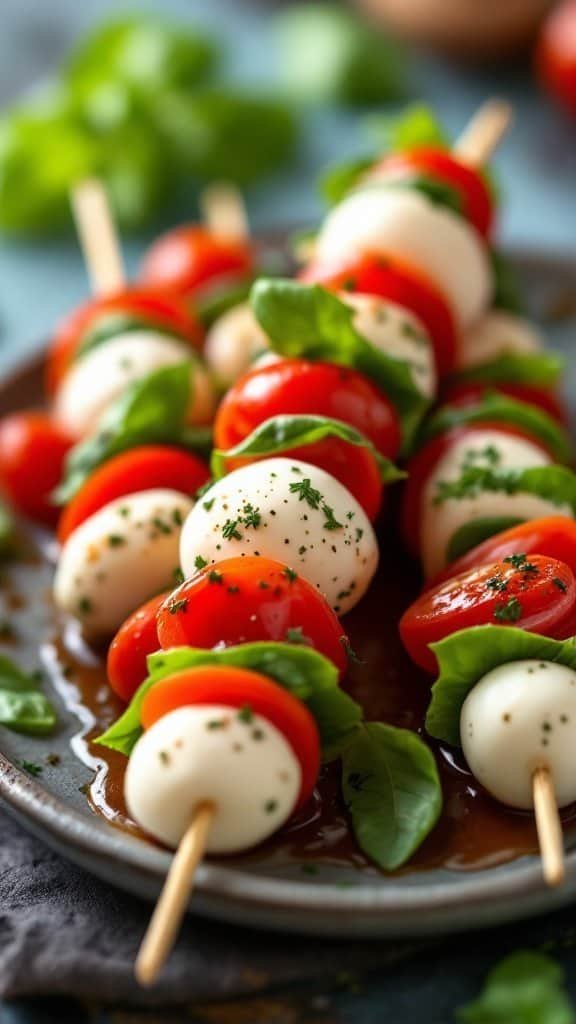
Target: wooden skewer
x,y
549,827
98,237
173,900
483,133
224,212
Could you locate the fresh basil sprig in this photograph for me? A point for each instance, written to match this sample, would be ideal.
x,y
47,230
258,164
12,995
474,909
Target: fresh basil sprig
x,y
468,655
309,322
527,987
23,708
556,484
475,531
541,369
151,411
415,126
282,433
507,294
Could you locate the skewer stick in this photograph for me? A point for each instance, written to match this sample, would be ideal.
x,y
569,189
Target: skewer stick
x,y
98,236
224,212
549,827
171,906
483,133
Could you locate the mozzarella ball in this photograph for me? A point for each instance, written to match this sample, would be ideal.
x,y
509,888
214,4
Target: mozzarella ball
x,y
101,376
232,343
497,334
210,753
120,557
396,332
519,716
402,223
307,519
487,449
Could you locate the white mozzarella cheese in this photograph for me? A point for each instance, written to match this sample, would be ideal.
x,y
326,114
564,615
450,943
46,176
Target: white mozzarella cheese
x,y
119,557
307,520
210,753
402,223
487,449
102,375
519,716
232,344
396,332
497,334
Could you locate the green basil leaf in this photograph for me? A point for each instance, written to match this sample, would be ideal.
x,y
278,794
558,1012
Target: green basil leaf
x,y
525,988
282,433
338,180
496,407
507,293
437,192
477,530
302,671
23,708
415,126
151,411
6,529
468,655
110,325
307,321
392,791
215,300
541,369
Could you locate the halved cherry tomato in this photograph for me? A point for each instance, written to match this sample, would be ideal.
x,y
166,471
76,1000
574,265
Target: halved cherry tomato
x,y
399,283
536,594
246,600
556,54
422,465
134,641
468,183
296,386
469,392
139,469
191,256
159,309
553,536
32,453
249,692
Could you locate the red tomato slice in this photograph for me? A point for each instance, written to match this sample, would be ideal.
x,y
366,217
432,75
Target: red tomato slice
x,y
537,594
160,309
134,641
140,469
250,599
402,284
553,536
424,462
190,256
243,689
468,393
467,182
556,54
32,453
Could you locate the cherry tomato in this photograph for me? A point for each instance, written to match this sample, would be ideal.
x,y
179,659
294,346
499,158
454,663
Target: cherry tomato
x,y
469,392
32,453
296,386
468,183
537,594
246,600
554,536
402,284
134,641
556,54
189,257
158,309
250,692
139,469
422,465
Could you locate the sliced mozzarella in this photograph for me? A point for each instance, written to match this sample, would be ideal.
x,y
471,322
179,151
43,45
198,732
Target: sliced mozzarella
x,y
396,332
119,557
497,334
518,717
489,449
103,374
233,342
402,223
210,753
307,520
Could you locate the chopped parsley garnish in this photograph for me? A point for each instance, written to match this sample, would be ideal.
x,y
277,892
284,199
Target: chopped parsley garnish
x,y
177,606
233,589
508,612
290,575
177,517
307,493
350,652
217,723
161,526
295,635
214,576
178,575
560,584
246,714
230,530
331,521
251,516
115,540
208,504
84,605
497,583
200,563
31,768
270,806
